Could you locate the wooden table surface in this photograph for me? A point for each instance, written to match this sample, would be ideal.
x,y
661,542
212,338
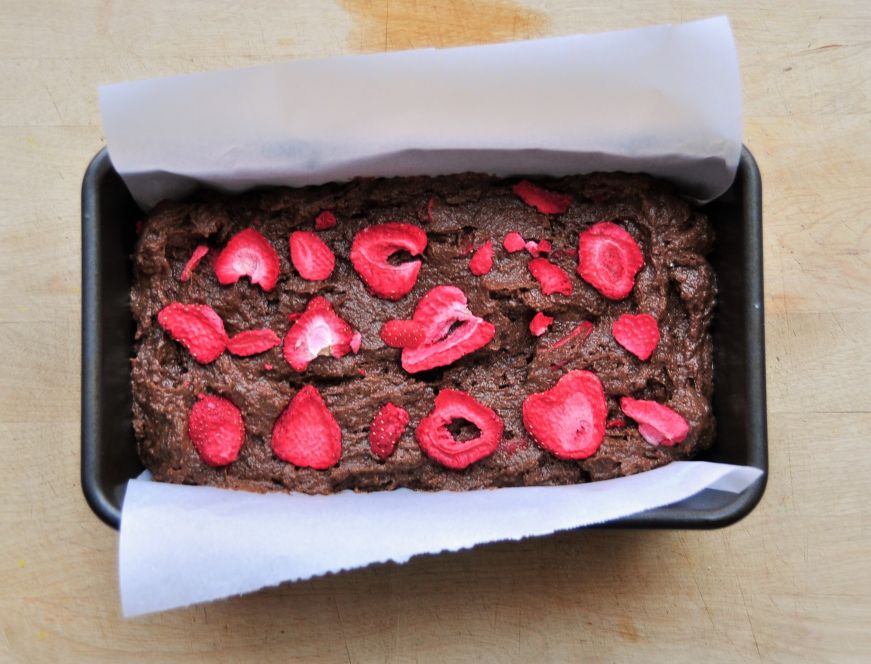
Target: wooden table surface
x,y
790,582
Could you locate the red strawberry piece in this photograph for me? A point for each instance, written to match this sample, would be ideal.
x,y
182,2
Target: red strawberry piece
x,y
356,342
311,256
429,206
386,429
539,324
608,259
568,420
402,333
582,330
252,342
197,327
513,446
546,202
437,441
306,434
657,424
325,220
294,315
513,242
637,334
193,261
536,249
319,331
450,330
482,260
615,423
370,250
216,429
248,254
551,278
267,366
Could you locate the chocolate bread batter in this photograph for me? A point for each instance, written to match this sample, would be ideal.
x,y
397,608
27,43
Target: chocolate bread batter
x,y
676,285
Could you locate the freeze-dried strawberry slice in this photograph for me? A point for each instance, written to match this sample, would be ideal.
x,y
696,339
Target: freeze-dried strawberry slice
x,y
536,249
311,256
568,420
193,261
252,342
582,329
306,434
216,429
513,242
657,424
197,327
482,260
319,331
438,442
356,342
430,204
637,334
402,333
370,250
325,220
248,254
539,324
551,278
450,330
547,202
608,259
386,429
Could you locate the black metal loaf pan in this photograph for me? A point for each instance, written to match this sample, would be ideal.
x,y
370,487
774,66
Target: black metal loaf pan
x,y
109,456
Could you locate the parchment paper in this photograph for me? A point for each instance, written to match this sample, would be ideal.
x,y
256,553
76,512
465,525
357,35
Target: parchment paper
x,y
664,100
185,544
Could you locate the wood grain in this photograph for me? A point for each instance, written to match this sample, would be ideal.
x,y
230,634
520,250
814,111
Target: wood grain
x,y
791,582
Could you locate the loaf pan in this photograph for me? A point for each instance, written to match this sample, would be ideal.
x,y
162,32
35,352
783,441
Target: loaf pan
x,y
109,456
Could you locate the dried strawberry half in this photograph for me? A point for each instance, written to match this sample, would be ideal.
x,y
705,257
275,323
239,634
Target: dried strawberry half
x,y
547,202
319,331
450,330
482,259
438,442
551,278
637,334
657,424
513,242
568,420
216,429
193,261
608,259
386,429
311,256
374,245
539,323
248,254
325,220
402,333
306,434
252,342
197,327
